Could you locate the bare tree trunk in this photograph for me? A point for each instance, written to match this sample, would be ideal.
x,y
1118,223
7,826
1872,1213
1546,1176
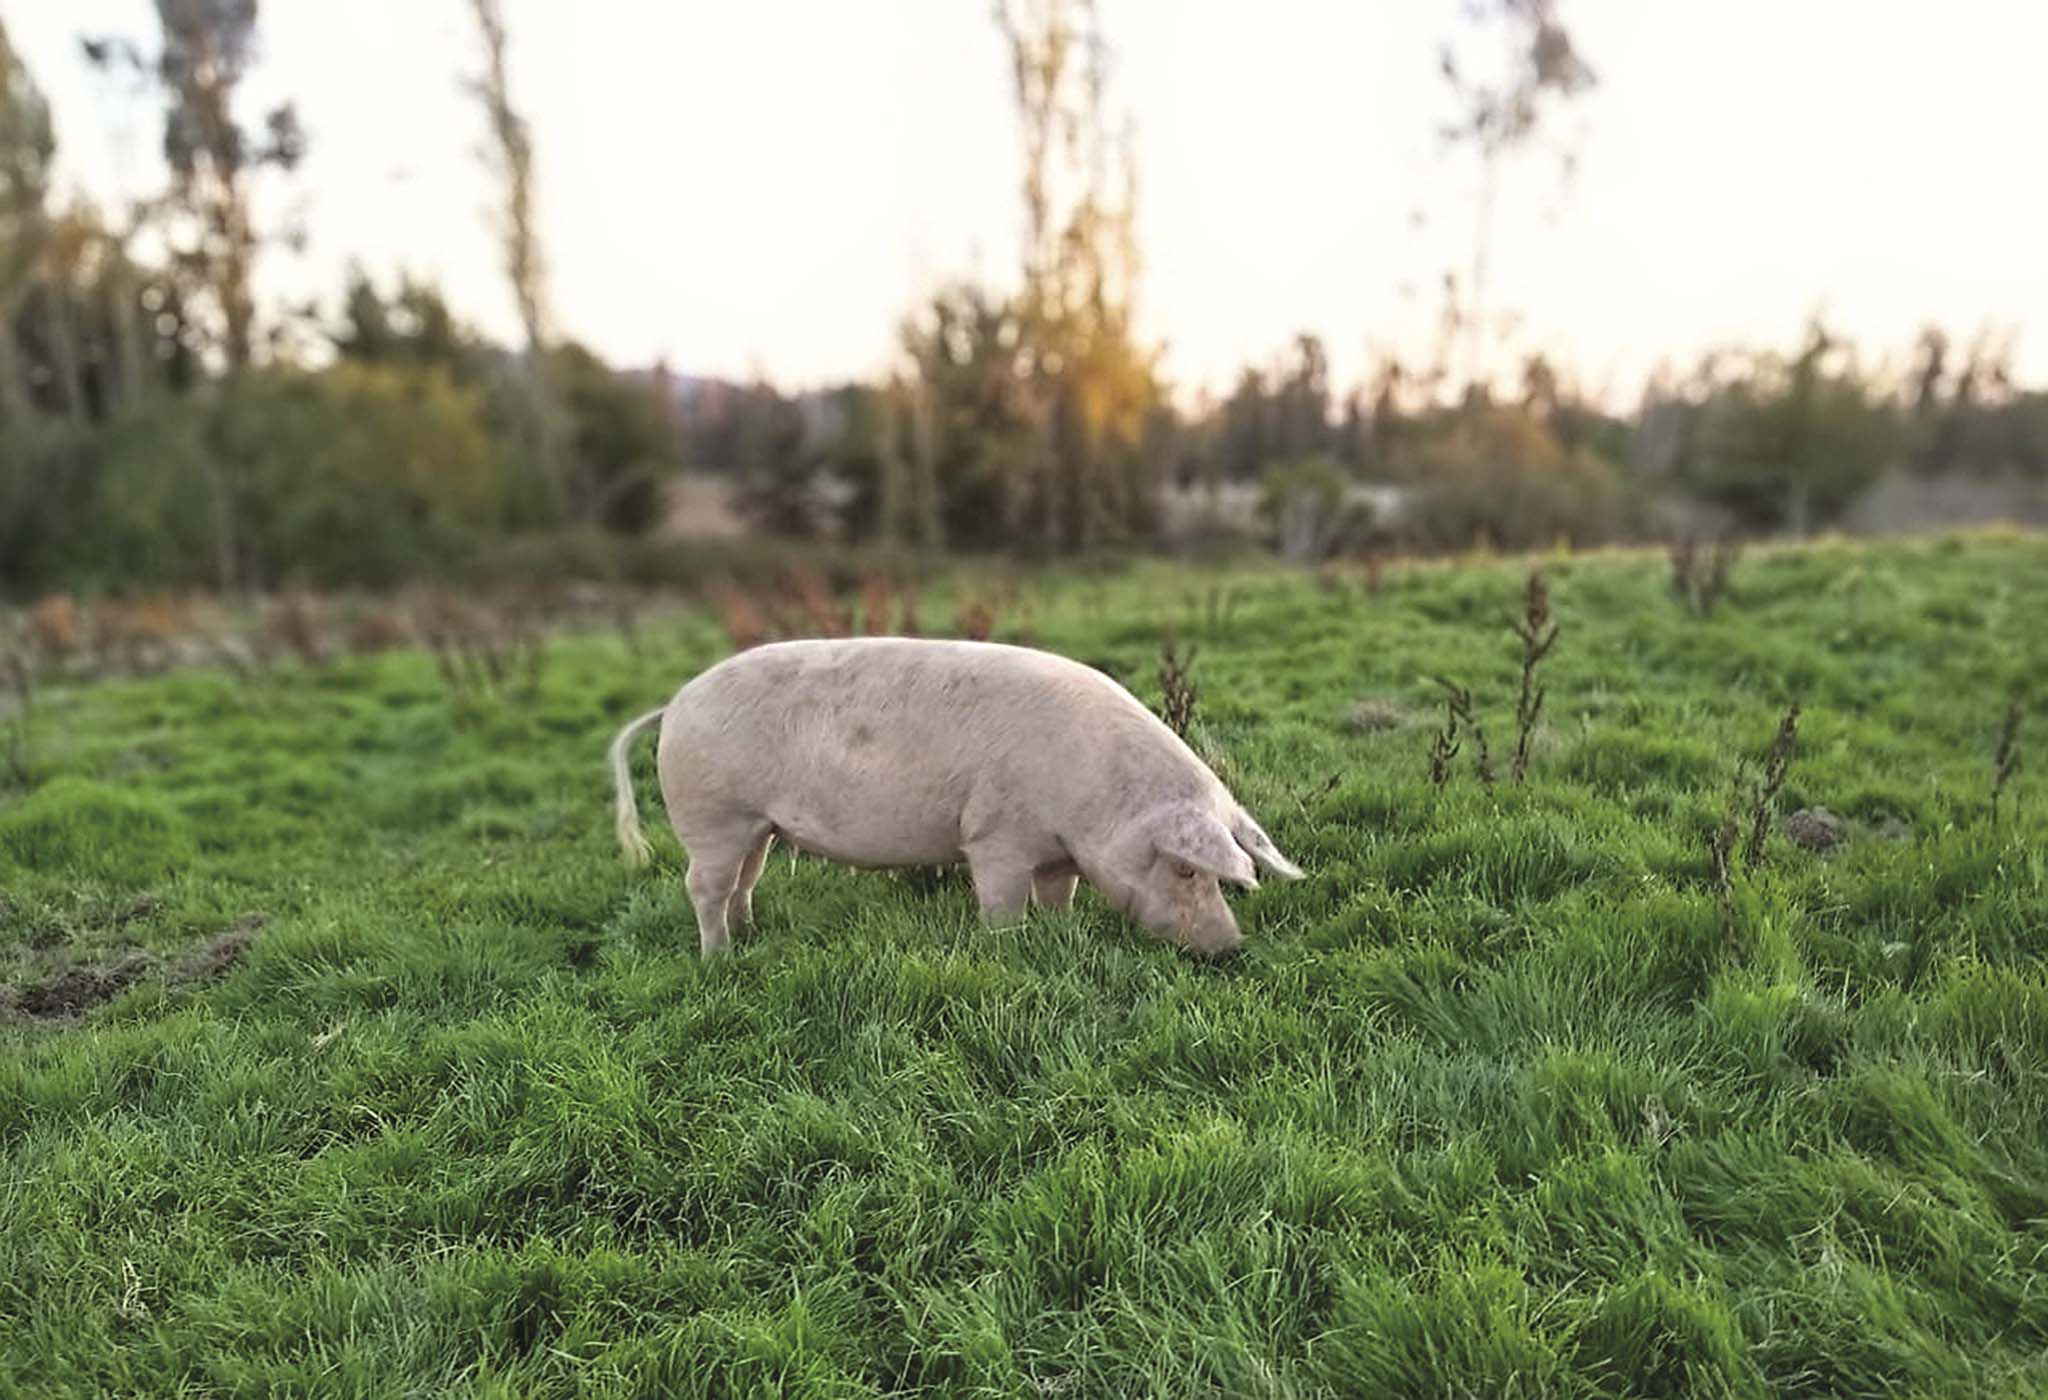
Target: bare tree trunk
x,y
928,527
121,312
223,524
237,303
1482,257
524,264
890,507
64,350
15,404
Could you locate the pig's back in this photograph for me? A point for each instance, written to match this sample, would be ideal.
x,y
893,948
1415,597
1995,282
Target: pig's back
x,y
889,739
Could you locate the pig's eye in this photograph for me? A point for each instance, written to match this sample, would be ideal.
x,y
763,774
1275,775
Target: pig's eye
x,y
1185,871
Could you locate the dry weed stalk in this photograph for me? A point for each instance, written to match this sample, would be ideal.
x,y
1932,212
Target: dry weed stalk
x,y
380,629
1318,793
744,625
292,623
1177,692
18,681
1749,803
874,605
2006,760
813,597
1539,634
1722,845
1700,577
1776,762
908,626
1458,701
53,627
482,651
1444,744
977,619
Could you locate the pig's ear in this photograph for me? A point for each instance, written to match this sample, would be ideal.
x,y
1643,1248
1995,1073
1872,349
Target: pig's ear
x,y
1189,834
1255,841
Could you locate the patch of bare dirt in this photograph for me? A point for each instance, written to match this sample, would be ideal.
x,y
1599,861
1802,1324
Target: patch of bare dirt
x,y
72,990
1816,829
1376,716
220,953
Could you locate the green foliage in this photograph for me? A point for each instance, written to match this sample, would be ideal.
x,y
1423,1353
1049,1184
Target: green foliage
x,y
1496,472
76,829
1036,422
619,443
1304,504
1491,1101
28,143
413,326
620,438
1788,444
48,469
356,474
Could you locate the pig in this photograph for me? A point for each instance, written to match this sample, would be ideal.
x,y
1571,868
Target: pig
x,y
1035,770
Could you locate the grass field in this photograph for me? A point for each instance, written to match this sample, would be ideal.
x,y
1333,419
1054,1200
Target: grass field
x,y
411,1087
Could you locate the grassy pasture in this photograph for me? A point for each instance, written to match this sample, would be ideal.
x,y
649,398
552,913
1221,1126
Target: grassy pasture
x,y
406,1085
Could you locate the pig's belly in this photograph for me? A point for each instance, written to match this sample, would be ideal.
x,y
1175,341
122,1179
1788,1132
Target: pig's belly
x,y
869,824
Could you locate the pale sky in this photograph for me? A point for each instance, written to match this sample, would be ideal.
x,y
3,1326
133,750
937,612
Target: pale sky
x,y
770,185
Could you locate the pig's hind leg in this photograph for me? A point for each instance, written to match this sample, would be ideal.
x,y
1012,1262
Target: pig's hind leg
x,y
739,910
718,859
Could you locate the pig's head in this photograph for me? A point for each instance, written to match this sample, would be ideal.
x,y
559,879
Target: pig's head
x,y
1169,870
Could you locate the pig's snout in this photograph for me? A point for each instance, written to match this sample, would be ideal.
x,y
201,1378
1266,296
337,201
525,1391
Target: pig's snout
x,y
1193,914
1216,945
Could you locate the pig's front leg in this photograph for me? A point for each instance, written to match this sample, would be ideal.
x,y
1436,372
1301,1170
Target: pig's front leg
x,y
1052,886
1002,880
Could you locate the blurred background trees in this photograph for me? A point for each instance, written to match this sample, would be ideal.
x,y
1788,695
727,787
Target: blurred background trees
x,y
162,425
158,429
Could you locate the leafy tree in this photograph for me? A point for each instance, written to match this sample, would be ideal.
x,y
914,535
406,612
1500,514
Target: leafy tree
x,y
91,330
620,438
1497,473
983,431
357,474
28,144
208,48
1304,503
1089,391
413,326
1302,403
1789,442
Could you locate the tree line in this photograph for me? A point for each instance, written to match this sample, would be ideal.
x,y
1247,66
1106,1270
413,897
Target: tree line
x,y
160,427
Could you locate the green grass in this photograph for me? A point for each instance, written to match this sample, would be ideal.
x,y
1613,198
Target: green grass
x,y
1495,1105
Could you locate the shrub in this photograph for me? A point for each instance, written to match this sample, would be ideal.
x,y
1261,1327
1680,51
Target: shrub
x,y
1497,474
1790,443
1306,506
47,471
357,474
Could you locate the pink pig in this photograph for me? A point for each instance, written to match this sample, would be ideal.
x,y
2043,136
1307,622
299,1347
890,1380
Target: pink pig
x,y
890,751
